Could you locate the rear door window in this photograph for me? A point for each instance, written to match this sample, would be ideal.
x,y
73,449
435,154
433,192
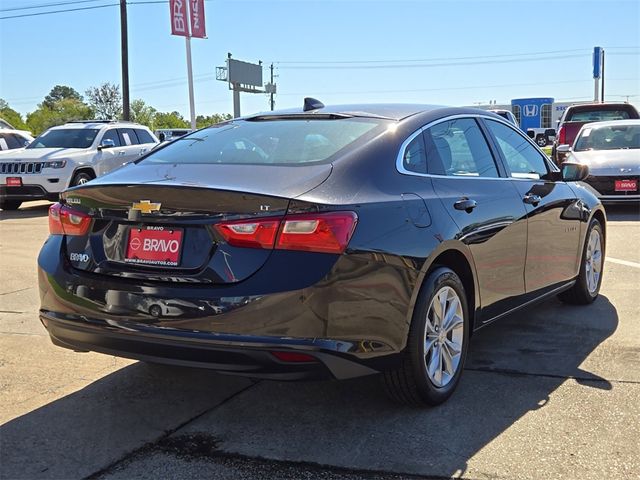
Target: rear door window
x,y
127,136
458,148
9,142
523,159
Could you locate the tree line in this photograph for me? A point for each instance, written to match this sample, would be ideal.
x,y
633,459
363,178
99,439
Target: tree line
x,y
104,102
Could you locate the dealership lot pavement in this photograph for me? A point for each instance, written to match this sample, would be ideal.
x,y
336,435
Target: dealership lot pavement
x,y
553,392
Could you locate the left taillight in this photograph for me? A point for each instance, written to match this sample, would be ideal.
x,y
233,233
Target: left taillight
x,y
328,232
66,221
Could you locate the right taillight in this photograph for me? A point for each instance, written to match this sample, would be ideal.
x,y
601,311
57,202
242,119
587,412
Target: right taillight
x,y
320,232
328,232
66,221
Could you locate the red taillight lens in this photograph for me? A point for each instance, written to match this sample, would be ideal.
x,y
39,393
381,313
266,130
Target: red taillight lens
x,y
322,232
253,233
318,232
562,136
65,221
294,357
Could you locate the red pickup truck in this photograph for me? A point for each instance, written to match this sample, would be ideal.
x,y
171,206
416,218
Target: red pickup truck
x,y
575,116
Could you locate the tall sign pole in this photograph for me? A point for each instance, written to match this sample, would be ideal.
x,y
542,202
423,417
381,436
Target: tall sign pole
x,y
124,44
194,27
597,71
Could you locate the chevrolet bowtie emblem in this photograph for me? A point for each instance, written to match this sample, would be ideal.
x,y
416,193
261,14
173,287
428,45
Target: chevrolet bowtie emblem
x,y
145,206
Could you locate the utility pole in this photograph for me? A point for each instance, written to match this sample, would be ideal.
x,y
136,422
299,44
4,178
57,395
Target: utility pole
x,y
124,44
602,86
272,101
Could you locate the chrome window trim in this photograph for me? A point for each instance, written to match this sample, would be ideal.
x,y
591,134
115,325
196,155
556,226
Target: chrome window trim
x,y
400,158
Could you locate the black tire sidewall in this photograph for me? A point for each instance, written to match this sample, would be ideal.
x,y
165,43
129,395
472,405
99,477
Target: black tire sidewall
x,y
582,278
78,176
441,277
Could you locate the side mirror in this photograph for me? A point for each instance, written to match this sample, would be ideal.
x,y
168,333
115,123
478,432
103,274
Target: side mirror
x,y
574,172
563,148
106,143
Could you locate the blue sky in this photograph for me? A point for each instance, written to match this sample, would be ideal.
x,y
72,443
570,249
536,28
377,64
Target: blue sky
x,y
499,50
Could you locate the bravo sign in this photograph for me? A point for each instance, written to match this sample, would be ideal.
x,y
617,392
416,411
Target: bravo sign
x,y
180,10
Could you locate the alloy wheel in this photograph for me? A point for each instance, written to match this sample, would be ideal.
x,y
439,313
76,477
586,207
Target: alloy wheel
x,y
444,334
593,261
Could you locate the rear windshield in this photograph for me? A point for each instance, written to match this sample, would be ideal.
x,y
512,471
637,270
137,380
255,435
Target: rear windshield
x,y
65,138
280,142
599,115
609,138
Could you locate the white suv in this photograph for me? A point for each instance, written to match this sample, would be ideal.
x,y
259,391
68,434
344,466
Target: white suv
x,y
69,155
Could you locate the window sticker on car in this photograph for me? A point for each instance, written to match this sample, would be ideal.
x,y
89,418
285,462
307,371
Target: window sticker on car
x,y
3,144
586,132
127,140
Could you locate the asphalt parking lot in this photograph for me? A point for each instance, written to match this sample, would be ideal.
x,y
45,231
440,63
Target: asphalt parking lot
x,y
553,392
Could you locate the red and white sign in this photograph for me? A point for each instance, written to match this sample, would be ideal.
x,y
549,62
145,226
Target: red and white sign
x,y
626,185
14,182
154,246
198,28
178,15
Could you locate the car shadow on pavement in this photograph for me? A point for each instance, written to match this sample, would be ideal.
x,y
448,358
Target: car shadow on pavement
x,y
28,211
514,368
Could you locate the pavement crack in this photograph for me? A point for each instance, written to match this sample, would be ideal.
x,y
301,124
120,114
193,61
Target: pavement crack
x,y
167,433
16,291
11,311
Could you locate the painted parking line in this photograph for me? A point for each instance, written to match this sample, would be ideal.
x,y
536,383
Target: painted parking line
x,y
623,262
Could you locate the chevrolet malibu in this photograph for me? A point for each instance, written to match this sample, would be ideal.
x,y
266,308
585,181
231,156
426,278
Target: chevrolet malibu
x,y
322,242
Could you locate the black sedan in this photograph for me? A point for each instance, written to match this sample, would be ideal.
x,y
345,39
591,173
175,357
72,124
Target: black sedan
x,y
322,242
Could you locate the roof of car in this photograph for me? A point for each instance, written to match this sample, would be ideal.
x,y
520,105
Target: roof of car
x,y
391,111
98,124
612,123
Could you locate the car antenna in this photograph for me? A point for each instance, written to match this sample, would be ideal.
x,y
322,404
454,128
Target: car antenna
x,y
311,104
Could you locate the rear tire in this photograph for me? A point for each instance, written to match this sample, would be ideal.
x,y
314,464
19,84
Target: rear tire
x,y
433,360
10,204
541,141
587,286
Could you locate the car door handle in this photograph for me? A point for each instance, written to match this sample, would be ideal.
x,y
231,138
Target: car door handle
x,y
532,199
142,151
465,204
122,152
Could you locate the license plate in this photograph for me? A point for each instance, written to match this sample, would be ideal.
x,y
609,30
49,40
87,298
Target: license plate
x,y
14,181
154,246
626,185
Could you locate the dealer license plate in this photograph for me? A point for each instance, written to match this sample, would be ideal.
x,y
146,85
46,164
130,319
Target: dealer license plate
x,y
626,185
153,245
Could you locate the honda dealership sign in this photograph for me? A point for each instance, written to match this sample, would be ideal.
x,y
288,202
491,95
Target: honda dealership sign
x,y
180,10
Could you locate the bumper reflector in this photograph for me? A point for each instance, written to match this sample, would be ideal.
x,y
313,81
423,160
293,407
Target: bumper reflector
x,y
293,357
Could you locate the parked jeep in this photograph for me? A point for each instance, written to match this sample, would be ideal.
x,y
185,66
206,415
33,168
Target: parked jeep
x,y
69,155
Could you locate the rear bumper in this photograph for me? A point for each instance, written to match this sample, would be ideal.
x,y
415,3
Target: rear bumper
x,y
233,354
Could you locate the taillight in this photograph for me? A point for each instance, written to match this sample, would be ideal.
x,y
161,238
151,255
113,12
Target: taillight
x,y
317,232
65,221
250,233
562,136
322,232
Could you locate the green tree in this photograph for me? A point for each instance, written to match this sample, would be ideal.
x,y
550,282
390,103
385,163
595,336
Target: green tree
x,y
60,92
143,113
62,111
207,120
170,120
105,100
11,116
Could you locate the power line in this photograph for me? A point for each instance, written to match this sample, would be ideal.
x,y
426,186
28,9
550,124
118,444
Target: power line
x,y
431,65
47,5
94,7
